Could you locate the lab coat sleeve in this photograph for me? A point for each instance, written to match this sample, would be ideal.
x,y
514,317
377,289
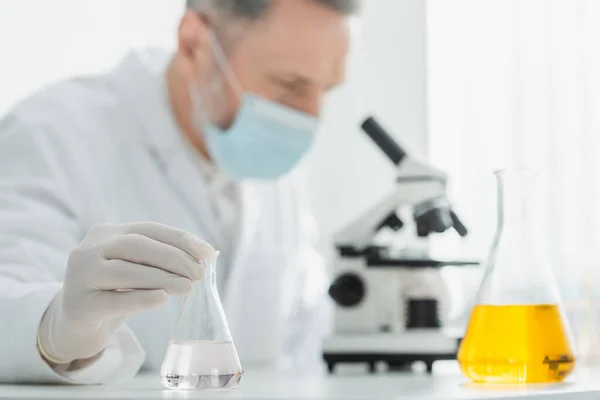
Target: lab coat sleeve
x,y
313,312
39,226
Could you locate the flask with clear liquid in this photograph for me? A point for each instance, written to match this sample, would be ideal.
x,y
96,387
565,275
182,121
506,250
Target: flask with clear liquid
x,y
517,333
201,354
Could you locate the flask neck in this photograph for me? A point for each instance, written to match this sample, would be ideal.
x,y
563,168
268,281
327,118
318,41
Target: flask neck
x,y
514,189
210,275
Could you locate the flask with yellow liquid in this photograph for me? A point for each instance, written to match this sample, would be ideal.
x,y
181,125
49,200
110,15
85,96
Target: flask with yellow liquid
x,y
517,332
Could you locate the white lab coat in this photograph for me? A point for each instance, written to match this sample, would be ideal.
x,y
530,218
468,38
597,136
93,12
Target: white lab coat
x,y
107,149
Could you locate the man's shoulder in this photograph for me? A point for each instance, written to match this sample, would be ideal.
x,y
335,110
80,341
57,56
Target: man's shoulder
x,y
60,116
65,102
91,102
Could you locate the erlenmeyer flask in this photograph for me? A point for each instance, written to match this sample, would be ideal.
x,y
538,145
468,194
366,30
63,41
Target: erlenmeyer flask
x,y
201,354
517,332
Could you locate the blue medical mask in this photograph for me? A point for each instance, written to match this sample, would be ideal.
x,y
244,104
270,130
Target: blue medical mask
x,y
266,140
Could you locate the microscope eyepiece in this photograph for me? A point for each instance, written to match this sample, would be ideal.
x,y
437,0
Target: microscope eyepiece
x,y
383,140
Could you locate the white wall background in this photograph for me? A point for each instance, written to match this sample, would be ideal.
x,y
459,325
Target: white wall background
x,y
42,41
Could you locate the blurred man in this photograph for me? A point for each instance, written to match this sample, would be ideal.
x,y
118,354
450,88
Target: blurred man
x,y
115,189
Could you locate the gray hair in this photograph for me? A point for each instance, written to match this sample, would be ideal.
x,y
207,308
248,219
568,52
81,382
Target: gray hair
x,y
252,9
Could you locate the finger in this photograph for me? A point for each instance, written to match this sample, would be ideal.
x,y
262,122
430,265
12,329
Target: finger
x,y
125,303
195,247
142,250
124,275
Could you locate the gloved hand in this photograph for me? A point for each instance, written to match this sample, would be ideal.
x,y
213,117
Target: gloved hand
x,y
116,271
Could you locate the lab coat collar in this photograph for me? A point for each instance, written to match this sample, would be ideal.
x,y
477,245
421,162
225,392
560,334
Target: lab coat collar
x,y
145,74
141,79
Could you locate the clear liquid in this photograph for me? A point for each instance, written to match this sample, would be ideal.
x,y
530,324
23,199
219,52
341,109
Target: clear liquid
x,y
201,365
516,344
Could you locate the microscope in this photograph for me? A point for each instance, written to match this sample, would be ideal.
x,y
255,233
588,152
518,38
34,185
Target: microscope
x,y
390,295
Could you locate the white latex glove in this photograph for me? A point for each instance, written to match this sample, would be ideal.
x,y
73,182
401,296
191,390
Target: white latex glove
x,y
116,271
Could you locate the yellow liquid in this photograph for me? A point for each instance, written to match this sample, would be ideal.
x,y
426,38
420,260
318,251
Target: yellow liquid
x,y
516,344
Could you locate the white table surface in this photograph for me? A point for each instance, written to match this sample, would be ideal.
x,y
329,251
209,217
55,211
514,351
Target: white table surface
x,y
449,384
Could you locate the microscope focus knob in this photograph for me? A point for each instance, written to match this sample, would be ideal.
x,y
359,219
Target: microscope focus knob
x,y
347,290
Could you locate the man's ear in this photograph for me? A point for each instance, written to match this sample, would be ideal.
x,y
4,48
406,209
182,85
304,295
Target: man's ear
x,y
193,44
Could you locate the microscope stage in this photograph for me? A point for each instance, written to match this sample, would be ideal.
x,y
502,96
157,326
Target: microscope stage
x,y
415,263
401,349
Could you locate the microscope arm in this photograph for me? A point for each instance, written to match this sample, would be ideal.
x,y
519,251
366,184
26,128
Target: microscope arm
x,y
418,184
